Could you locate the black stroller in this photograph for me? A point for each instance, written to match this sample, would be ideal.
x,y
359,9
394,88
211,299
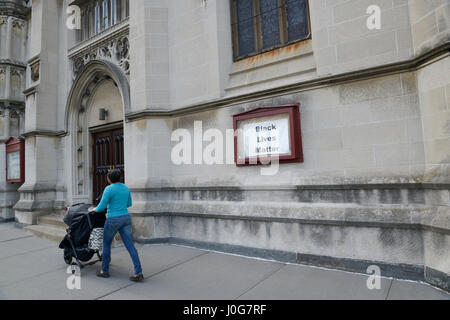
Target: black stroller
x,y
81,221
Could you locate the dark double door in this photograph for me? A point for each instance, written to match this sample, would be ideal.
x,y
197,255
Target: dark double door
x,y
108,154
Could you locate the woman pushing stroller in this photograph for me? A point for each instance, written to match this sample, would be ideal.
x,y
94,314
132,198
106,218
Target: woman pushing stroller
x,y
117,198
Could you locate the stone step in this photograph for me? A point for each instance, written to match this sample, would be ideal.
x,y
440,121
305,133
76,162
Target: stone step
x,y
53,220
49,232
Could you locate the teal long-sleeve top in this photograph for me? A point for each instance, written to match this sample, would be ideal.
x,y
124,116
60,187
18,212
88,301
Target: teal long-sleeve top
x,y
117,198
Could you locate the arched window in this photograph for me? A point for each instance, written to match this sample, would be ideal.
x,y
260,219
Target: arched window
x,y
100,15
97,19
263,25
113,12
105,14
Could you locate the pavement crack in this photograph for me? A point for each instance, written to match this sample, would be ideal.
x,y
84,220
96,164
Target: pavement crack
x,y
15,239
389,290
267,276
24,253
174,265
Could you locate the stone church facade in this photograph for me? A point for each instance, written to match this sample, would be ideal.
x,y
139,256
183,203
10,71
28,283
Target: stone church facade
x,y
374,107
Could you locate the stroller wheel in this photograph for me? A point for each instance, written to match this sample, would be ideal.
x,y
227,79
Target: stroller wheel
x,y
68,260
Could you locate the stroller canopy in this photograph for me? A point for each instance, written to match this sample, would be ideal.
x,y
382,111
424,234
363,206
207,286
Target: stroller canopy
x,y
81,223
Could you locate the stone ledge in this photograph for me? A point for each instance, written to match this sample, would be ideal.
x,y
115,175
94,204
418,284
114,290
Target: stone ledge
x,y
13,62
8,203
101,38
43,133
388,270
3,220
404,217
14,9
51,233
265,59
437,278
35,205
343,186
361,195
41,187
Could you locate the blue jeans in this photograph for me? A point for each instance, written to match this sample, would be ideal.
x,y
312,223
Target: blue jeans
x,y
122,225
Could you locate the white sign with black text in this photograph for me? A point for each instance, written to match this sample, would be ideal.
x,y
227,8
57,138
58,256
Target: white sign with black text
x,y
13,165
267,136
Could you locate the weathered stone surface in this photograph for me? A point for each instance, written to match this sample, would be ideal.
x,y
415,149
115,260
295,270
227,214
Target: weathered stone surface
x,y
430,23
374,181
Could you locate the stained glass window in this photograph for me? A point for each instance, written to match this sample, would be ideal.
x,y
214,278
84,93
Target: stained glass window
x,y
113,12
99,15
261,25
297,19
245,26
105,15
270,25
97,19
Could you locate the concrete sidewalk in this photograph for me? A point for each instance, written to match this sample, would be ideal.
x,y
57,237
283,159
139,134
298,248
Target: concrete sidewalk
x,y
32,268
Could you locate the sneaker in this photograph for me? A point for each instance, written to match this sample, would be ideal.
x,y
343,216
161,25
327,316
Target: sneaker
x,y
102,274
137,278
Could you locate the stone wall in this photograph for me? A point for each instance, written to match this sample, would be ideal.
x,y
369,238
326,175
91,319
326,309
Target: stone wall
x,y
200,50
374,184
13,38
363,188
183,63
362,132
342,41
430,21
42,147
434,88
150,82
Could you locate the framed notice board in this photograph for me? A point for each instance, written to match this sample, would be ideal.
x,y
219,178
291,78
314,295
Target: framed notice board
x,y
15,160
265,133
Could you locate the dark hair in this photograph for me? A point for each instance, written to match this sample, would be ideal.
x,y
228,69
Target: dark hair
x,y
115,176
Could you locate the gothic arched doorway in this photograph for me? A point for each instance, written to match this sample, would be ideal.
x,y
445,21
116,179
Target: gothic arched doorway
x,y
95,115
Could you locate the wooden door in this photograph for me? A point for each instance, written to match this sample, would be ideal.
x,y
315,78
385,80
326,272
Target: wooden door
x,y
108,154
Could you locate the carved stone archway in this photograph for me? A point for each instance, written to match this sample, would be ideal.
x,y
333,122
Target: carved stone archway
x,y
76,122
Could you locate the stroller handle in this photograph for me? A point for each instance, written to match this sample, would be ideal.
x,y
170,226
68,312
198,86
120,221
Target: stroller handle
x,y
91,211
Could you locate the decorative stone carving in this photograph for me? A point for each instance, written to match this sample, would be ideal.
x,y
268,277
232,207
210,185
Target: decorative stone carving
x,y
12,111
2,80
105,51
16,82
2,71
35,71
115,50
123,54
78,65
15,72
15,8
14,62
18,24
14,114
3,20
